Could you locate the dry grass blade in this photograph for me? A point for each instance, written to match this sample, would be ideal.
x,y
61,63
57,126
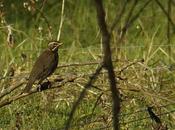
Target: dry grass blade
x,y
61,22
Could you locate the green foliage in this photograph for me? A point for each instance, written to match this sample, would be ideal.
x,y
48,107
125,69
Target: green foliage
x,y
149,83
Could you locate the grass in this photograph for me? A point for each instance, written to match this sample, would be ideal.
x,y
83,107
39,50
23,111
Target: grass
x,y
145,84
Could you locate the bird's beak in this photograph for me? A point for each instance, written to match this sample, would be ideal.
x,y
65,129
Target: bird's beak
x,y
57,46
60,44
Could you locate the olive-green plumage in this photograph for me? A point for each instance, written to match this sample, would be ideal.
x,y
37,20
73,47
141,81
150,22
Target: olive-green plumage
x,y
44,66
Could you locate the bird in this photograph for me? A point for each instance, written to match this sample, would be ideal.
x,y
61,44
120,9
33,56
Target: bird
x,y
44,66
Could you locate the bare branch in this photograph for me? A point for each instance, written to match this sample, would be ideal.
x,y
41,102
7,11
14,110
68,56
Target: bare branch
x,y
108,62
81,96
131,11
130,22
47,22
44,86
127,66
83,64
118,17
166,13
169,29
10,89
96,103
139,12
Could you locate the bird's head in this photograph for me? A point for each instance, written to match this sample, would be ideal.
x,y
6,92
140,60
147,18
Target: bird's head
x,y
54,45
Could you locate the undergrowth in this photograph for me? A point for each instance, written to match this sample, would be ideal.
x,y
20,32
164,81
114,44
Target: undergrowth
x,y
142,84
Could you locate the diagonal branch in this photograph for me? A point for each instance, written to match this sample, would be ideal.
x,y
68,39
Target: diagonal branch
x,y
166,13
10,89
118,17
82,94
131,20
44,86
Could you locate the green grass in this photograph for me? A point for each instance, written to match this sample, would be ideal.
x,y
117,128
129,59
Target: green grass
x,y
146,39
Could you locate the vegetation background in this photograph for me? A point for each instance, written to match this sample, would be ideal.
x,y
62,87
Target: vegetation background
x,y
150,36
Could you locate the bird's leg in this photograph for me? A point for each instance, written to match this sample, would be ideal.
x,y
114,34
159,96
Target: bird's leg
x,y
47,80
39,86
43,85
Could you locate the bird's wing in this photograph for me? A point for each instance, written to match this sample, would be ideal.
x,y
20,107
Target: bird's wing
x,y
41,65
41,68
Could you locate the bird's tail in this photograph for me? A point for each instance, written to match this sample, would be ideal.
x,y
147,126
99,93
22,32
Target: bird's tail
x,y
28,87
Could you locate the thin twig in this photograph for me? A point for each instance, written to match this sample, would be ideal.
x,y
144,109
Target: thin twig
x,y
118,17
133,63
132,121
144,110
83,64
166,13
126,25
147,117
12,88
130,22
139,12
96,103
47,22
131,12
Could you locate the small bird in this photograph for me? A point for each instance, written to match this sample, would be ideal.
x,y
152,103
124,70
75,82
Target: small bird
x,y
45,65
